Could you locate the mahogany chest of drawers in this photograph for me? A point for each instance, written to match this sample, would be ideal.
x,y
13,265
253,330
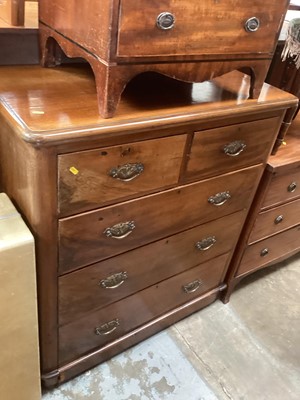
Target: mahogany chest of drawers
x,y
135,218
190,40
272,231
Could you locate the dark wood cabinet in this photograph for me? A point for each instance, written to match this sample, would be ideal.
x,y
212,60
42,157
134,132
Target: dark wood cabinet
x,y
136,217
272,230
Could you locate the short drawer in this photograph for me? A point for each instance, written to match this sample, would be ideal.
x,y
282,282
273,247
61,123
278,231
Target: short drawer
x,y
97,235
228,148
110,323
275,220
88,179
270,250
103,283
282,188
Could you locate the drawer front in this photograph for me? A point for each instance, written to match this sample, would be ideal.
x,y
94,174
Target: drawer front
x,y
94,236
275,220
200,27
103,283
282,188
110,323
89,179
269,250
232,147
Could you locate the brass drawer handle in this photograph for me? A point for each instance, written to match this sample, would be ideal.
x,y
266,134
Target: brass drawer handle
x,y
113,281
120,231
292,187
264,252
235,148
126,172
252,24
165,21
278,219
219,198
192,286
107,328
206,243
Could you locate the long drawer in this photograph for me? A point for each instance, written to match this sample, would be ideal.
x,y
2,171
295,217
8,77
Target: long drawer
x,y
229,148
193,27
98,285
282,188
89,179
98,328
275,220
266,251
94,236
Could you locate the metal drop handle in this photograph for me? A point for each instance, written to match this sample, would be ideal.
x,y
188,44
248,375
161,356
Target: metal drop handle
x,y
126,172
206,243
192,286
114,281
219,199
165,21
292,187
235,148
107,328
252,24
120,231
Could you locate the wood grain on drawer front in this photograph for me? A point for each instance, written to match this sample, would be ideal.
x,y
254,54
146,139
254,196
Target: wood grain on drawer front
x,y
88,237
282,188
92,178
98,285
79,337
266,251
201,27
229,148
275,220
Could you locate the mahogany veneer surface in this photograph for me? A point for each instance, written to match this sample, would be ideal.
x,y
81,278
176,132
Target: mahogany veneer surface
x,y
126,245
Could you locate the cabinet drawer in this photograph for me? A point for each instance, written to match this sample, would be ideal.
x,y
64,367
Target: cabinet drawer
x,y
103,283
200,27
224,149
89,179
282,188
113,321
275,220
262,253
96,235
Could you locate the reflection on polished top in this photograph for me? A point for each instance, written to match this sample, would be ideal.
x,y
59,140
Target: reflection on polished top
x,y
60,103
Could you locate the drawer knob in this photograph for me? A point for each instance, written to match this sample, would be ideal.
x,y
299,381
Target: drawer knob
x,y
114,281
292,187
165,20
206,243
235,148
219,198
120,231
264,252
107,328
252,24
278,219
126,172
192,286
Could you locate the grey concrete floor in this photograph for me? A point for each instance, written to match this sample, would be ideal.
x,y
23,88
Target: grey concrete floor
x,y
248,349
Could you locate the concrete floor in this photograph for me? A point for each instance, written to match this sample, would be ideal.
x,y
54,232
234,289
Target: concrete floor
x,y
248,349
